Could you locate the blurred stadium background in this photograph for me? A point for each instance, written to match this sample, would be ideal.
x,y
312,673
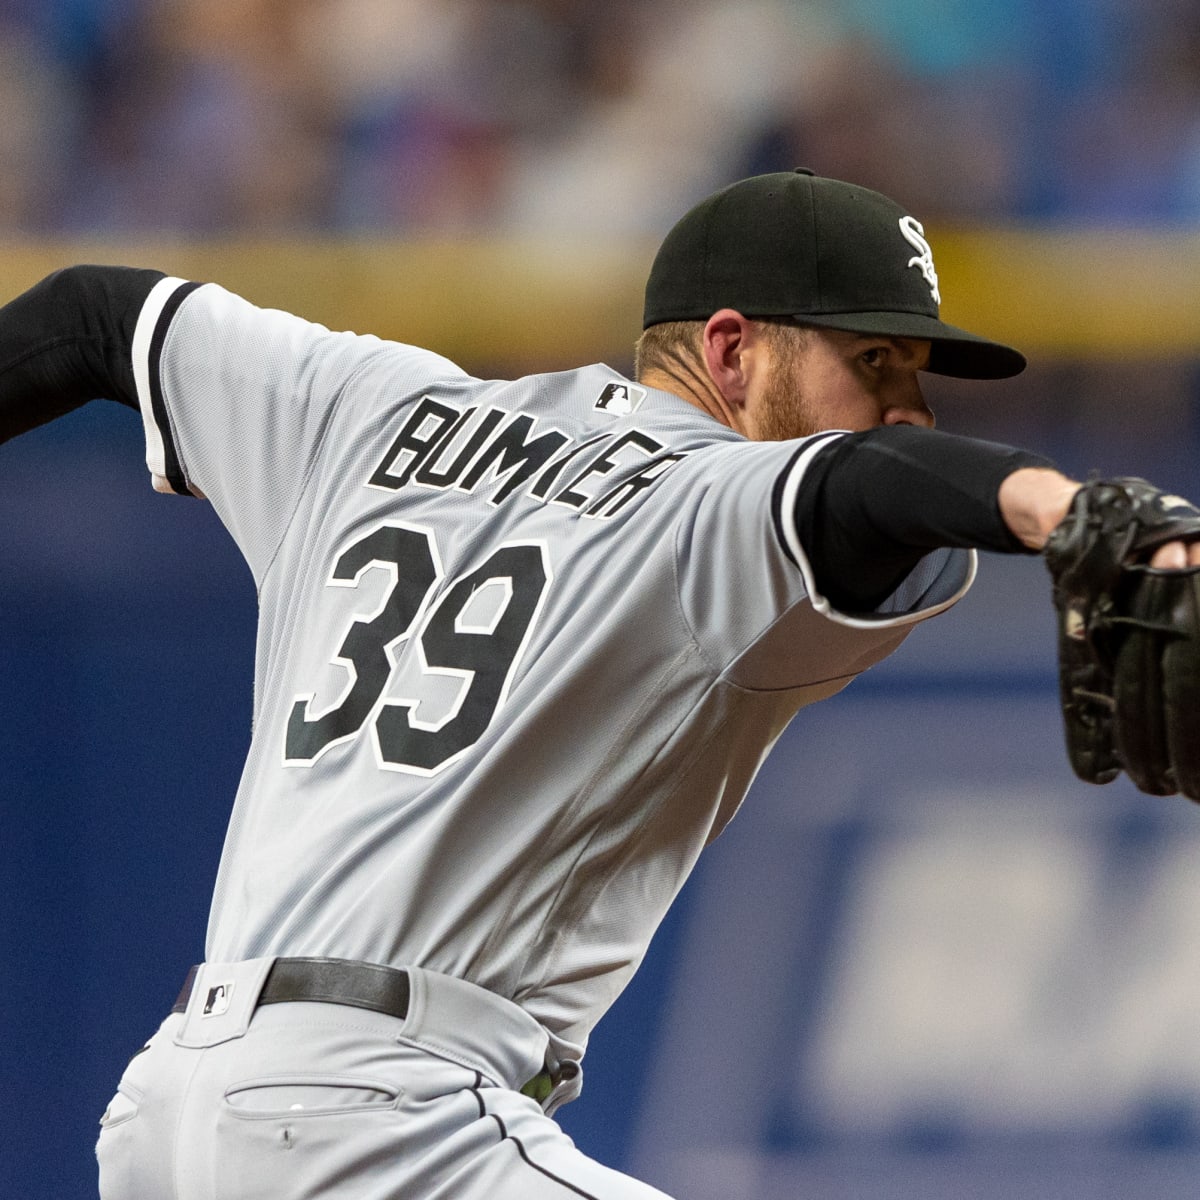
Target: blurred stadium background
x,y
924,961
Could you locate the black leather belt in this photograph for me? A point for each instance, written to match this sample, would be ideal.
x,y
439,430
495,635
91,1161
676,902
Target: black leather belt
x,y
326,980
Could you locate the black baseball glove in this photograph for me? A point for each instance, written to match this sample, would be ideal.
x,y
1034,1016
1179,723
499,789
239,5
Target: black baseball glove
x,y
1128,637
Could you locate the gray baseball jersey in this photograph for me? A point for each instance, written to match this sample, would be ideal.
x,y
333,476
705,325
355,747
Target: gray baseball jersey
x,y
522,648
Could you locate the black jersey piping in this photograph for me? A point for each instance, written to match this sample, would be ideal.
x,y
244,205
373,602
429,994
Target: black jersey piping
x,y
540,1169
172,469
508,1137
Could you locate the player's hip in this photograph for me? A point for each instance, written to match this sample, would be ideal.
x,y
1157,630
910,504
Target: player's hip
x,y
268,1053
320,1104
234,1099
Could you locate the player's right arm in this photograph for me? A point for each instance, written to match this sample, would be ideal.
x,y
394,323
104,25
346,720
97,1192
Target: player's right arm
x,y
873,503
870,505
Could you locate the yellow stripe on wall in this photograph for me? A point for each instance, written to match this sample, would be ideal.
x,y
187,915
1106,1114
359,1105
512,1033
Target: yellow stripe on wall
x,y
515,305
1120,294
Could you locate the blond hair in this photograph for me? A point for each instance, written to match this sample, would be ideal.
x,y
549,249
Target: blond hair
x,y
667,347
675,345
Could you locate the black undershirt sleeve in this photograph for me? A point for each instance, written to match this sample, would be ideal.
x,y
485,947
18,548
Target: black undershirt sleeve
x,y
872,504
68,340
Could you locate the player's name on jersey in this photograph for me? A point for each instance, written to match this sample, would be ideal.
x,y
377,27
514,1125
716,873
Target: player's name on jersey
x,y
474,450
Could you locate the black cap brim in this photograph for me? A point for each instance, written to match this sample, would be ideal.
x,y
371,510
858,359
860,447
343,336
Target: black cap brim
x,y
952,351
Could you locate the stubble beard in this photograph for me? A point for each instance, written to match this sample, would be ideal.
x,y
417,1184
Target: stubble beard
x,y
787,411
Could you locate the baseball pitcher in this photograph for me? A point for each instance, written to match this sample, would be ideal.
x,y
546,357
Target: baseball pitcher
x,y
523,646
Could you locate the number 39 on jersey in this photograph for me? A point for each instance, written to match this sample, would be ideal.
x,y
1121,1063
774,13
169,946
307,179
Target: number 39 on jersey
x,y
472,633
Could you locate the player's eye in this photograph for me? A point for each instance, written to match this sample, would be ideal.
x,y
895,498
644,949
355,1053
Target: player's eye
x,y
876,356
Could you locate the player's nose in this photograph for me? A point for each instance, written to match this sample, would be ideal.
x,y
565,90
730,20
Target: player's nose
x,y
909,408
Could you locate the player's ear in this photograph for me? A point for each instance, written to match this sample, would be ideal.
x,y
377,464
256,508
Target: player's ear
x,y
726,343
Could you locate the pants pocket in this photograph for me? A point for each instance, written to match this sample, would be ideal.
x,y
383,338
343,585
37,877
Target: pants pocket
x,y
121,1108
115,1151
292,1136
300,1095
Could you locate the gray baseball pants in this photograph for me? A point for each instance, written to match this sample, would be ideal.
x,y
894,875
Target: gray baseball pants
x,y
318,1101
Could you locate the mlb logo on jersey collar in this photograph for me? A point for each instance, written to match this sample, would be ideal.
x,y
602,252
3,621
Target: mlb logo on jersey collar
x,y
621,399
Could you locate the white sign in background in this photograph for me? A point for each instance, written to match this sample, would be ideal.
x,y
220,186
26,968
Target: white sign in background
x,y
925,961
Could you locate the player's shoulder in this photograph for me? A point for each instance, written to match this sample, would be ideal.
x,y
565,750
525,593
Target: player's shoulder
x,y
598,400
204,315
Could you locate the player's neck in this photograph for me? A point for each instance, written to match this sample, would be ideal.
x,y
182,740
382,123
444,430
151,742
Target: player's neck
x,y
690,384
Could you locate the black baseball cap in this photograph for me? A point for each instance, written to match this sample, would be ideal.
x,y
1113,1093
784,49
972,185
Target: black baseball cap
x,y
824,252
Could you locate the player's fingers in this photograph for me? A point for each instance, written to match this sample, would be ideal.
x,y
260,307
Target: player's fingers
x,y
1171,557
1175,556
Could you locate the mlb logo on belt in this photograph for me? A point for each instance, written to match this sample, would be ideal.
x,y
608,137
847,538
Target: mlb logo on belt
x,y
621,399
216,1002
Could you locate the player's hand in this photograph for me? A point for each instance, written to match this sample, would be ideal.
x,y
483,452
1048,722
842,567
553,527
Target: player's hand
x,y
1176,556
1125,564
1033,501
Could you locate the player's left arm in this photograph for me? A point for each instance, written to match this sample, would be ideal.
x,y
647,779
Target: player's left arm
x,y
236,400
68,340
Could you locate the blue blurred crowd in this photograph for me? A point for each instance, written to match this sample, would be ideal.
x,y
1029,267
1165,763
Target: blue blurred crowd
x,y
573,117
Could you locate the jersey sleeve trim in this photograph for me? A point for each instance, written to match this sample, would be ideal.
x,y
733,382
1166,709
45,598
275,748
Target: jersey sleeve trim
x,y
783,495
783,508
162,457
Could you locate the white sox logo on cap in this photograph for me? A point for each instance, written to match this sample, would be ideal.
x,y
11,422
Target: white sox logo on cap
x,y
914,235
822,252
